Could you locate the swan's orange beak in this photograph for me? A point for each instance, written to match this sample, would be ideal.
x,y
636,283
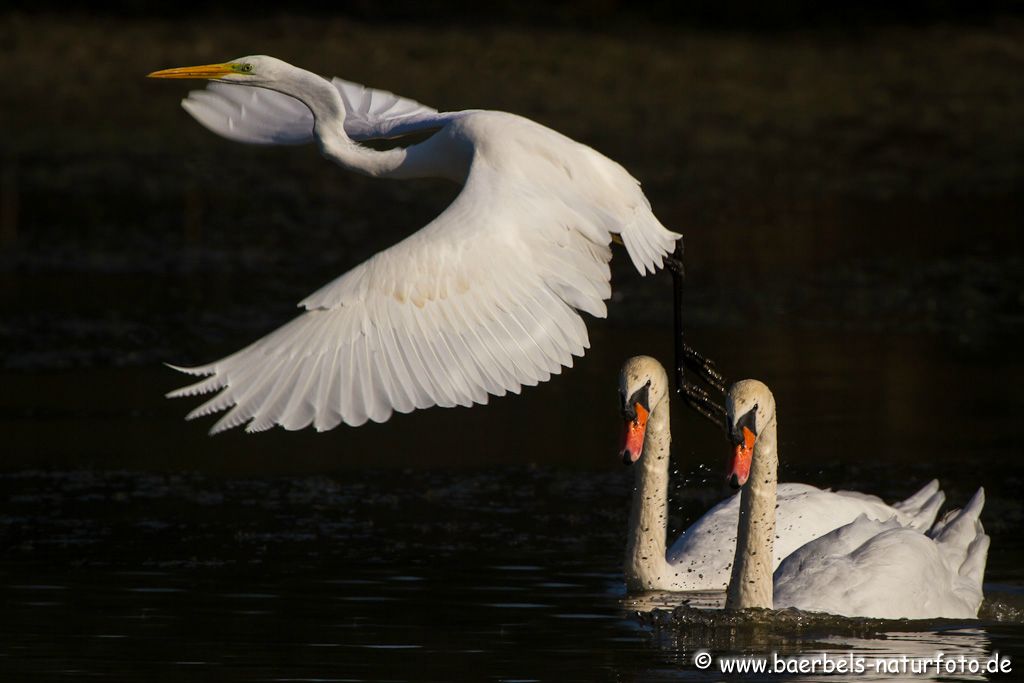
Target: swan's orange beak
x,y
739,465
633,435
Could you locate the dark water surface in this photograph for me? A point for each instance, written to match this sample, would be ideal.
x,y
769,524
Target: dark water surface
x,y
504,574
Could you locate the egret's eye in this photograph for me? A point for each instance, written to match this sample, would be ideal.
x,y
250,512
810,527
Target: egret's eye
x,y
245,68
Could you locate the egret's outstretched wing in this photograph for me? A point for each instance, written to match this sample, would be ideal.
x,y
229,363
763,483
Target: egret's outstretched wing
x,y
260,116
479,302
379,114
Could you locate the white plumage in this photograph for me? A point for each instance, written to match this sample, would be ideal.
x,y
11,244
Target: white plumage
x,y
267,117
481,301
804,513
867,568
878,569
702,557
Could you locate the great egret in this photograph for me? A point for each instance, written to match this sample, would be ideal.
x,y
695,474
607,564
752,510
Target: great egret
x,y
480,301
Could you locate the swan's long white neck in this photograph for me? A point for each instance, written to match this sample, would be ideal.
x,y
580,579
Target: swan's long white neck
x,y
646,566
751,582
324,100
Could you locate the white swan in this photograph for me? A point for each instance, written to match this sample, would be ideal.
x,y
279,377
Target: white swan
x,y
866,568
483,300
701,558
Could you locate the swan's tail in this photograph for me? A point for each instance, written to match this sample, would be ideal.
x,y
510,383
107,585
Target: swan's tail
x,y
922,507
973,568
964,546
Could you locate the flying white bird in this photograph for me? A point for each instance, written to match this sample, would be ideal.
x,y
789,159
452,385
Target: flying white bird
x,y
480,301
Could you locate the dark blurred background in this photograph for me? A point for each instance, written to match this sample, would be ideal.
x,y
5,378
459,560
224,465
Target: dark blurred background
x,y
848,179
700,14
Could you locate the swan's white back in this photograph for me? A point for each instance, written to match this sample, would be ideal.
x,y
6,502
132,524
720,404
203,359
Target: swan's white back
x,y
870,568
701,558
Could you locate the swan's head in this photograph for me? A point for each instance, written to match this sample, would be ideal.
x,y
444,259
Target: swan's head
x,y
643,384
749,407
255,70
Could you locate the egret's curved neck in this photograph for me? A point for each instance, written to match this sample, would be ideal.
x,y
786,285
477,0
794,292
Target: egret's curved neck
x,y
646,566
324,100
751,582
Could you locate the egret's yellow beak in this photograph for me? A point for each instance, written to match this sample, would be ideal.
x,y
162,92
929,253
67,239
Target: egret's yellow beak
x,y
204,71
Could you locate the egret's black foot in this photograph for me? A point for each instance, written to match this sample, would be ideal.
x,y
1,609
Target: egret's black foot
x,y
703,366
701,401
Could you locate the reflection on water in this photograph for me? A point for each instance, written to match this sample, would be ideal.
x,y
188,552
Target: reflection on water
x,y
880,644
510,574
874,649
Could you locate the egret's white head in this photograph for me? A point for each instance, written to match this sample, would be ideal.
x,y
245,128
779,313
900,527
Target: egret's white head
x,y
749,407
255,70
643,384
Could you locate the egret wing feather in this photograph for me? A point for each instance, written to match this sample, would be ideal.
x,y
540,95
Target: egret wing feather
x,y
251,115
481,301
266,117
378,114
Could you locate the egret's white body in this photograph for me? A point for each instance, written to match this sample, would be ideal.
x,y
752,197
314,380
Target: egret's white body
x,y
866,568
702,557
481,301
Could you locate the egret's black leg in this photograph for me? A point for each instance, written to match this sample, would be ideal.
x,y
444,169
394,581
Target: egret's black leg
x,y
675,264
687,357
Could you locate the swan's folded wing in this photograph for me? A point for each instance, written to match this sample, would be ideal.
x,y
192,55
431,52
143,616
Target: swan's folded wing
x,y
479,302
879,569
266,117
